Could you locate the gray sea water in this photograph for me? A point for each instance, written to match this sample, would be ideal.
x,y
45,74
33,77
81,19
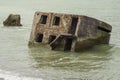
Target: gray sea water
x,y
19,62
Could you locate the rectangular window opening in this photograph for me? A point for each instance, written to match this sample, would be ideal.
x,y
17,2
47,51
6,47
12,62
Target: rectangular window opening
x,y
43,19
39,37
51,38
56,20
73,25
68,44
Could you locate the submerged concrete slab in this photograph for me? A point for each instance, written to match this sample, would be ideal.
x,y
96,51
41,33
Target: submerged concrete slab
x,y
68,32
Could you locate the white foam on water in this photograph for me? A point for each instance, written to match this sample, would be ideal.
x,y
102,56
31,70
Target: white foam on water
x,y
6,75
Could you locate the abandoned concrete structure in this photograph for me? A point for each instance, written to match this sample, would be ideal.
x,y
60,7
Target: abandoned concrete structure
x,y
12,20
68,32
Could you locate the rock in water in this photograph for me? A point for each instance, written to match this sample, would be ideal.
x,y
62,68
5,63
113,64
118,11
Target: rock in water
x,y
12,20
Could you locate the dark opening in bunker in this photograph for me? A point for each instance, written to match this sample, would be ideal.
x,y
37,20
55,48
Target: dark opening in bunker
x,y
43,19
103,29
51,38
56,20
39,37
73,25
68,44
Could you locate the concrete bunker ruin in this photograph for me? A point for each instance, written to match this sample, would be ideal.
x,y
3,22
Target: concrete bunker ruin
x,y
68,32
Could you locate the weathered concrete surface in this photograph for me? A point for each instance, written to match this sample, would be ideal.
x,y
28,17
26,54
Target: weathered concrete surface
x,y
60,41
12,20
57,30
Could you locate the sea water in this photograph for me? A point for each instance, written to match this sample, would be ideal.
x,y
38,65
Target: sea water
x,y
19,62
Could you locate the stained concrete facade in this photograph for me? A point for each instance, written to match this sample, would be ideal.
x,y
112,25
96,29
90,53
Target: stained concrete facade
x,y
68,32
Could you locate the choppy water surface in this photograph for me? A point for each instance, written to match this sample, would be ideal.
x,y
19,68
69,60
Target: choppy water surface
x,y
19,62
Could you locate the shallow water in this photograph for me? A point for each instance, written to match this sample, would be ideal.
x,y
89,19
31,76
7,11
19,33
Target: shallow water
x,y
19,62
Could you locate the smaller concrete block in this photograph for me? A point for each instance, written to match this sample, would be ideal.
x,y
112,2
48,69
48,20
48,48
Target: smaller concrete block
x,y
12,20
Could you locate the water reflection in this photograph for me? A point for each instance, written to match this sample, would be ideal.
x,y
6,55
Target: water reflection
x,y
95,58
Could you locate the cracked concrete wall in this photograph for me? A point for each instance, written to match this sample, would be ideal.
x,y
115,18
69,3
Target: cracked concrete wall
x,y
49,28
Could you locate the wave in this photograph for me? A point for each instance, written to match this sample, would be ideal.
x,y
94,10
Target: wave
x,y
6,75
